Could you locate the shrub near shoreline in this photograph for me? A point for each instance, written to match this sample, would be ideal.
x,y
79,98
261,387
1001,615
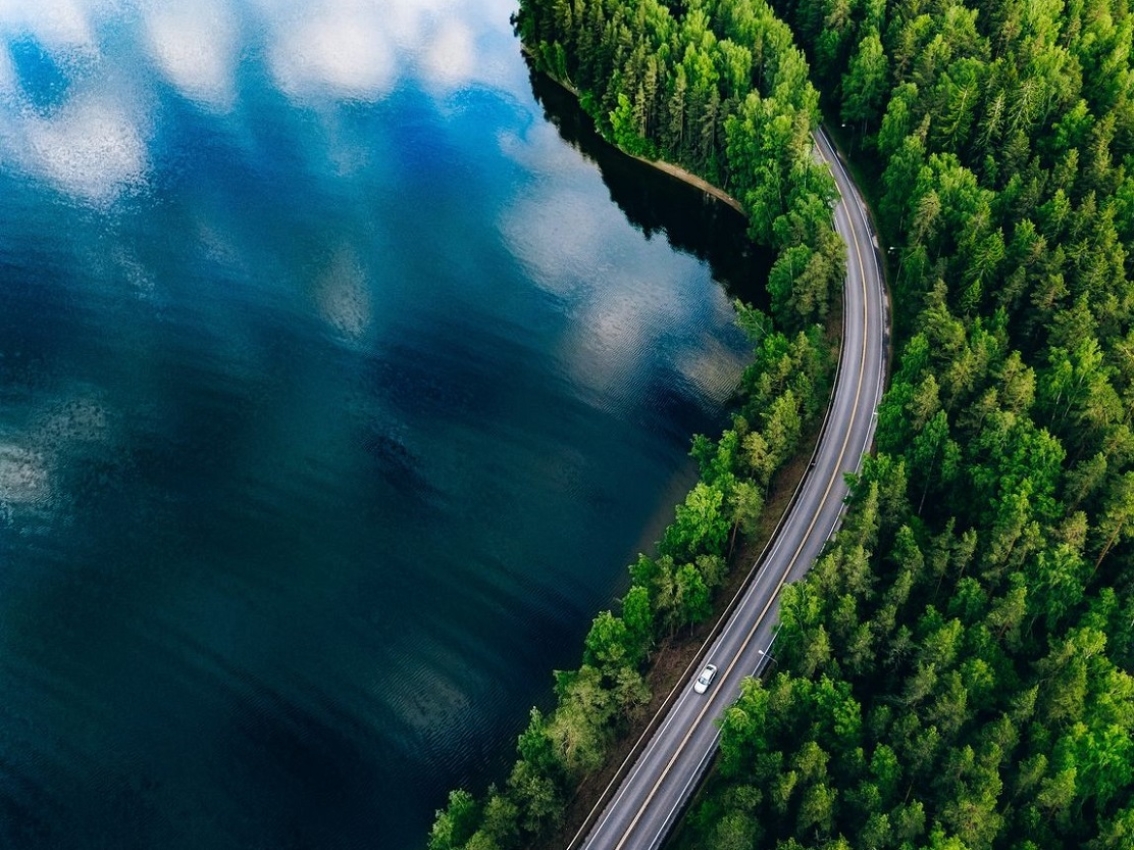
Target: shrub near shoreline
x,y
687,89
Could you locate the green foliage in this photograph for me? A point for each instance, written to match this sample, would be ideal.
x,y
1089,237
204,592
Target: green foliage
x,y
700,527
680,85
781,393
865,84
970,607
455,824
720,89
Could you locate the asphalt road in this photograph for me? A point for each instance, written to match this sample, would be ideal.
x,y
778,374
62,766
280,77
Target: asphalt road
x,y
640,812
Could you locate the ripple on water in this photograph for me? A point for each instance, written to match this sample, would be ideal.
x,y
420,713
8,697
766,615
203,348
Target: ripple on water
x,y
335,396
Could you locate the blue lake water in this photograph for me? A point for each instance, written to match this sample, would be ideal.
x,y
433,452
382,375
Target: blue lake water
x,y
341,375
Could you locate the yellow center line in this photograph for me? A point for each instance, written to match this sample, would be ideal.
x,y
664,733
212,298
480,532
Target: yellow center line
x,y
791,563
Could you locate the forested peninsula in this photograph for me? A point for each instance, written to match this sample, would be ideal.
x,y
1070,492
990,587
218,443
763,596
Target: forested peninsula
x,y
955,672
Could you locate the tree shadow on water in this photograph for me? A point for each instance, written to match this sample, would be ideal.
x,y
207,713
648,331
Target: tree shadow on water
x,y
656,203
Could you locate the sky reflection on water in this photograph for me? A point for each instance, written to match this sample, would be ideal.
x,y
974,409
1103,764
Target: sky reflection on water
x,y
335,395
79,105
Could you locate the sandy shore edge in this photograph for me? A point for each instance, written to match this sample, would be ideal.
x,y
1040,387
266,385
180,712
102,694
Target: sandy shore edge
x,y
690,178
669,168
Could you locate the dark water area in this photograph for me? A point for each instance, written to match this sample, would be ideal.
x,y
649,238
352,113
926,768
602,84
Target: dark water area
x,y
338,386
690,221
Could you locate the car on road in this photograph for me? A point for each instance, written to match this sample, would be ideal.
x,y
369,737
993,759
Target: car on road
x,y
705,679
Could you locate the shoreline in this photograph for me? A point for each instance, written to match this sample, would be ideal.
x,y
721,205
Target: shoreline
x,y
689,177
675,171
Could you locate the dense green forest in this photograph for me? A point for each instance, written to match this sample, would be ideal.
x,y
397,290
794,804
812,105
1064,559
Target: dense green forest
x,y
741,117
956,671
723,93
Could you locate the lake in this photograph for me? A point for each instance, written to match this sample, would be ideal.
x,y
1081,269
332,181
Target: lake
x,y
342,372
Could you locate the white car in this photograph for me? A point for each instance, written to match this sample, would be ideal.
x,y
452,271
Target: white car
x,y
705,679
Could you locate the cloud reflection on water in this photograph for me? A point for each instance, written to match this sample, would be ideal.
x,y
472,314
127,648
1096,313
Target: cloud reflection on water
x,y
62,27
336,49
92,148
122,58
621,294
197,49
343,295
23,475
94,145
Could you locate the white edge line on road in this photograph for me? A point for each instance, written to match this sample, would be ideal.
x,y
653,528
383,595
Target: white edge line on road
x,y
834,163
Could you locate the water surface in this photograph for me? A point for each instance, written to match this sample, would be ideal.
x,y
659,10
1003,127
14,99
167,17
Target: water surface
x,y
337,387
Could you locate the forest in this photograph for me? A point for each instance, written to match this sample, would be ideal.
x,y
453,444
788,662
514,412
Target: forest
x,y
743,119
955,672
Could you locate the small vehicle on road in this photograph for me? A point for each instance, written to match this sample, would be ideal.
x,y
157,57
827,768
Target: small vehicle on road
x,y
705,679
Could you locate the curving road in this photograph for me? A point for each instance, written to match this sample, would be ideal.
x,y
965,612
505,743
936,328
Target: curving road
x,y
639,813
